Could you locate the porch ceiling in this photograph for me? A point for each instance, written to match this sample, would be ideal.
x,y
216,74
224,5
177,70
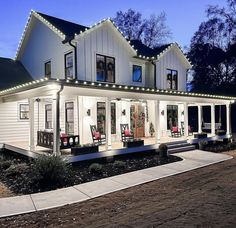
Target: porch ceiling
x,y
48,87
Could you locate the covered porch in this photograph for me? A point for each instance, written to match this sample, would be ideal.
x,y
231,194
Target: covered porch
x,y
68,110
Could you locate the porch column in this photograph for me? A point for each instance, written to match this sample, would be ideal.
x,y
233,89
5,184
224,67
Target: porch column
x,y
80,118
108,123
213,125
157,120
31,125
186,120
228,119
199,119
56,123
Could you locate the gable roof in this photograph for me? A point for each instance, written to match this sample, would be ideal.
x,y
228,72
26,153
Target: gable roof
x,y
12,73
147,51
66,27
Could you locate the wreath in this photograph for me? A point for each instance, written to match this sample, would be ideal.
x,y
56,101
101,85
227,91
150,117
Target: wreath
x,y
110,66
100,65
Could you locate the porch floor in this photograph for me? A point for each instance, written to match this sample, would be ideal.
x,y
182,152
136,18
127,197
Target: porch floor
x,y
115,145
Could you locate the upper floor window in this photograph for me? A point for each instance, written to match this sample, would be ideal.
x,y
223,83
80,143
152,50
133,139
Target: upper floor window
x,y
69,68
24,112
47,69
105,68
172,79
137,73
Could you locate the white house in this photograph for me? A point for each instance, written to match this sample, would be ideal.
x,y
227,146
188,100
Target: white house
x,y
84,76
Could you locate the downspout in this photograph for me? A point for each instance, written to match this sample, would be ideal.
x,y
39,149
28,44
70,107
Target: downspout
x,y
155,74
56,149
69,39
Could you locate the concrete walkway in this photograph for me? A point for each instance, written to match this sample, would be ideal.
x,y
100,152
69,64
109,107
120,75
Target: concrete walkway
x,y
78,193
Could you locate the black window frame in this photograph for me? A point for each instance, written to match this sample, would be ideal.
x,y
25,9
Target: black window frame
x,y
73,75
135,65
48,124
102,107
22,111
105,69
47,75
66,117
172,79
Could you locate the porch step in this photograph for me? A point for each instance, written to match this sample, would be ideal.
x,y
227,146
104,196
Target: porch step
x,y
177,145
176,142
181,149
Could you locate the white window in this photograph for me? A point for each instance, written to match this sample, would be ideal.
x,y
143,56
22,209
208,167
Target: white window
x,y
23,111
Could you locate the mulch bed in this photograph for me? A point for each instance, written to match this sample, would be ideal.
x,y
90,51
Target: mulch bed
x,y
17,175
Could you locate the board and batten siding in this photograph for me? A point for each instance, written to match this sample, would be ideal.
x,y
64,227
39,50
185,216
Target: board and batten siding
x,y
106,41
41,44
170,60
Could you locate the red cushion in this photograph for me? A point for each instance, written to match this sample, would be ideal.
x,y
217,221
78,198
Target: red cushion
x,y
127,133
189,128
97,135
64,135
175,129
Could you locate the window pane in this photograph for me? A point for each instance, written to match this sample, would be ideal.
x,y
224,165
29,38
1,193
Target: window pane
x,y
69,60
113,118
110,66
48,69
137,73
172,116
24,111
69,69
101,117
101,68
48,116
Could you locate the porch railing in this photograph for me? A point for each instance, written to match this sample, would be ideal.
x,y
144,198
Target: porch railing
x,y
45,139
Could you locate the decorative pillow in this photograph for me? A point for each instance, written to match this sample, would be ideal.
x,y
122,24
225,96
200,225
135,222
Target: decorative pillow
x,y
127,133
175,129
97,135
64,135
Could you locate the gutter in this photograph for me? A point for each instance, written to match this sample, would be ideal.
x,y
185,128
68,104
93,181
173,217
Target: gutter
x,y
155,74
68,40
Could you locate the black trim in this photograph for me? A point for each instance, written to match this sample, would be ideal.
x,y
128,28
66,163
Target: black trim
x,y
45,69
171,77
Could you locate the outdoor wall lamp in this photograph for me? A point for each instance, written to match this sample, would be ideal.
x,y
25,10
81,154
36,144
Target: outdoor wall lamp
x,y
162,112
89,112
123,112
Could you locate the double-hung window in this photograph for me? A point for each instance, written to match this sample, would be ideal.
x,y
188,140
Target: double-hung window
x,y
105,68
48,116
47,69
69,66
137,73
24,111
172,79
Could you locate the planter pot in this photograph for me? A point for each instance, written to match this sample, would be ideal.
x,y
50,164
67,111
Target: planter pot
x,y
84,150
220,132
133,143
163,154
200,136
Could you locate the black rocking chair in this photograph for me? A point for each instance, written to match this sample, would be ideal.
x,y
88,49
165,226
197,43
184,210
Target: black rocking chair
x,y
97,136
126,135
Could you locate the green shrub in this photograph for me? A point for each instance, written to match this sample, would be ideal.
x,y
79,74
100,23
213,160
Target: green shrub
x,y
163,147
119,164
16,169
163,151
202,144
5,164
49,172
95,168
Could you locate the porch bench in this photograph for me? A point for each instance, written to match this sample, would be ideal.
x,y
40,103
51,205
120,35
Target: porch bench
x,y
45,139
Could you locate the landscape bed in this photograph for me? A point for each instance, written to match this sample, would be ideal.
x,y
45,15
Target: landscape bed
x,y
23,176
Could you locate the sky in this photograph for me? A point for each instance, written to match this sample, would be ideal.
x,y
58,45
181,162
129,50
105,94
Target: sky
x,y
183,16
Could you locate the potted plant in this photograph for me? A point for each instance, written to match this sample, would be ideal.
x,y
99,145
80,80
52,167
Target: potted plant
x,y
84,149
151,129
163,151
202,144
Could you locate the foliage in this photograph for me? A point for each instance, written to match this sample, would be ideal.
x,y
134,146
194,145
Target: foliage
x,y
202,144
16,169
152,31
50,172
95,168
151,129
163,147
5,164
212,51
119,164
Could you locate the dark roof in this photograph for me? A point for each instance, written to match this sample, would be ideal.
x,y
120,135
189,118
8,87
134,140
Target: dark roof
x,y
147,51
12,73
66,27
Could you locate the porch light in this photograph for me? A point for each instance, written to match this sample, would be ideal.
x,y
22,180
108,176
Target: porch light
x,y
162,112
123,112
89,112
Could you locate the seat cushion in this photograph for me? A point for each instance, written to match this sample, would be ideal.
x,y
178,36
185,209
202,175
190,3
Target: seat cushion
x,y
97,135
175,129
127,133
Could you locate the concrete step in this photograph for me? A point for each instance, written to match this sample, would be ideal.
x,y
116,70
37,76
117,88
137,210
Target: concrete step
x,y
178,145
176,142
181,149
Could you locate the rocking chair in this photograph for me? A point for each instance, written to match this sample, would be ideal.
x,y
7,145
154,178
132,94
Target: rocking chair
x,y
97,136
126,134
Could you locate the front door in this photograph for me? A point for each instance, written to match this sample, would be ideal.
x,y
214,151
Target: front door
x,y
137,120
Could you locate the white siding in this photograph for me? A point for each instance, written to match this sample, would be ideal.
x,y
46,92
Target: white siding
x,y
41,45
171,60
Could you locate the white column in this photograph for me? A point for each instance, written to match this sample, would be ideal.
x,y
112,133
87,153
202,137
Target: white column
x,y
213,125
80,107
228,119
199,119
56,124
186,120
157,122
108,123
31,125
